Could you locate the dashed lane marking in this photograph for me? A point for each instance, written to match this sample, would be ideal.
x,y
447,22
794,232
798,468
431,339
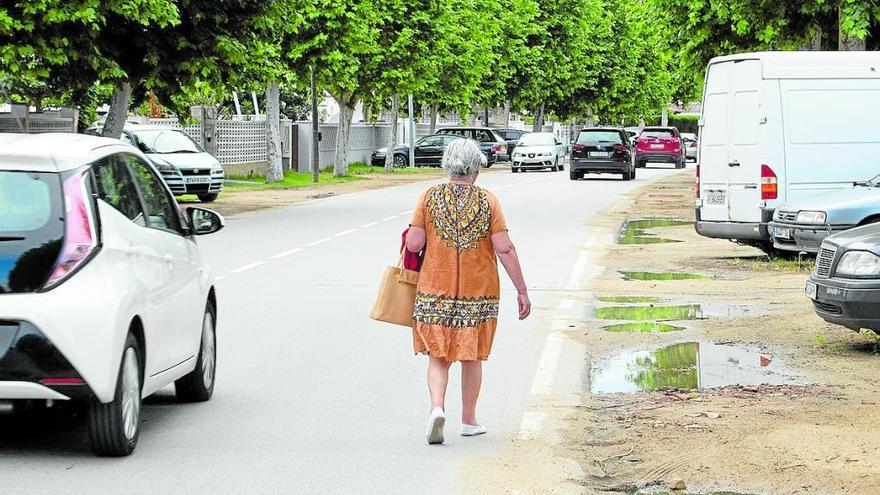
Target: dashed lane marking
x,y
368,225
285,254
344,232
547,364
392,217
248,267
319,241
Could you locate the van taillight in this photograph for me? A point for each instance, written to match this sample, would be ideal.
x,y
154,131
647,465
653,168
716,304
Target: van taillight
x,y
769,183
698,181
80,239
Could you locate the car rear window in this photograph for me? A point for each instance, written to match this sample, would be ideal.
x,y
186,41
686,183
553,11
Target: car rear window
x,y
31,229
593,137
657,133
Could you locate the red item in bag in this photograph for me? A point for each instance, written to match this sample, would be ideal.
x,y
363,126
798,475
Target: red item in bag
x,y
411,261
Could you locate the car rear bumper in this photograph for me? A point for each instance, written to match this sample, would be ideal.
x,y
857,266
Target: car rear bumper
x,y
31,367
739,231
803,238
598,165
854,304
658,157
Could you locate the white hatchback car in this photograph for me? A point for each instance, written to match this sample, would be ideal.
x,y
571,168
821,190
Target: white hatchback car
x,y
536,151
104,295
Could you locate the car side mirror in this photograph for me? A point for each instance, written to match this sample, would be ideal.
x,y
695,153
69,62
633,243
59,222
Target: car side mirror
x,y
203,221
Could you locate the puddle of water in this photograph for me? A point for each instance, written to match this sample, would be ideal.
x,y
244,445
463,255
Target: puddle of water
x,y
633,231
678,312
689,365
629,299
643,327
664,276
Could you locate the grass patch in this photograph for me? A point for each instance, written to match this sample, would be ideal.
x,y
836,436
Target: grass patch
x,y
664,276
293,180
779,264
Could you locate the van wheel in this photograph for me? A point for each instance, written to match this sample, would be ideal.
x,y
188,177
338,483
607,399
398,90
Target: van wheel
x,y
198,384
114,427
207,197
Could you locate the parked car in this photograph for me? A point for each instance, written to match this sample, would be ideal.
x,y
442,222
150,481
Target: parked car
x,y
511,136
104,295
762,142
845,285
689,141
602,150
491,142
428,152
659,144
537,151
185,166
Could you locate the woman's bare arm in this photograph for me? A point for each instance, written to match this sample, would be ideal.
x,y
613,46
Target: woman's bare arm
x,y
415,239
506,252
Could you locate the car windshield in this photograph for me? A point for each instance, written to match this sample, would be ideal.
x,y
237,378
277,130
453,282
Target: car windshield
x,y
594,137
873,182
31,229
164,141
537,140
657,133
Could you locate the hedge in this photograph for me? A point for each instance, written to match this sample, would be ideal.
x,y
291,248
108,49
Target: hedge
x,y
684,123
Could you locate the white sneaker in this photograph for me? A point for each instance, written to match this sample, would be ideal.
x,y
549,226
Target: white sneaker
x,y
472,430
435,426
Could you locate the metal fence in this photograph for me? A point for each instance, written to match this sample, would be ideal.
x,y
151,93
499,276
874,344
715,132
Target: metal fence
x,y
36,124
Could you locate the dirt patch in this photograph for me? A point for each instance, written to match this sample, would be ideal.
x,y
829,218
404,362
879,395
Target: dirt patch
x,y
237,202
748,439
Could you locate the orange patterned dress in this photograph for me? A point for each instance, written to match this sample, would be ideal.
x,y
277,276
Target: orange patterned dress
x,y
456,308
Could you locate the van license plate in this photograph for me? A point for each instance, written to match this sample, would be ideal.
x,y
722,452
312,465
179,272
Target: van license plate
x,y
780,232
810,290
197,180
715,198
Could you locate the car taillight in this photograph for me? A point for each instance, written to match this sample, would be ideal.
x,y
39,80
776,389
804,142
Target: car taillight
x,y
578,147
495,148
79,233
698,181
693,144
769,183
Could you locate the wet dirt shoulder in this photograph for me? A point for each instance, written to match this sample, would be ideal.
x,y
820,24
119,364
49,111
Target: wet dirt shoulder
x,y
743,321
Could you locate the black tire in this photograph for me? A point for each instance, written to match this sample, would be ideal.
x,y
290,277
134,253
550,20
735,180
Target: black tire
x,y
640,164
573,175
208,197
632,173
562,165
679,164
198,384
399,161
112,432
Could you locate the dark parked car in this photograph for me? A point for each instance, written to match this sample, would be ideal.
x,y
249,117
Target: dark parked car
x,y
512,136
491,142
659,144
602,150
428,152
845,285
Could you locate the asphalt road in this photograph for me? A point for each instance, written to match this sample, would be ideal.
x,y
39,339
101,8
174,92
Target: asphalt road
x,y
312,396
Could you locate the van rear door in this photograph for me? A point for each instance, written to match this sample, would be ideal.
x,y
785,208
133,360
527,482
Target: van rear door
x,y
730,168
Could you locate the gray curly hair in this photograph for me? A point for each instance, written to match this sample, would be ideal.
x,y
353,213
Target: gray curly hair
x,y
463,158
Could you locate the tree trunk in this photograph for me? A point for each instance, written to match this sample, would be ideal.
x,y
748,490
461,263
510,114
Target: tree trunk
x,y
434,112
664,117
506,115
273,137
486,117
538,124
846,42
392,137
118,111
346,111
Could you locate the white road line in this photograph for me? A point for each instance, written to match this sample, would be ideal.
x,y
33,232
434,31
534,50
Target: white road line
x,y
547,364
531,425
392,217
221,277
405,213
285,254
248,267
368,225
345,232
319,241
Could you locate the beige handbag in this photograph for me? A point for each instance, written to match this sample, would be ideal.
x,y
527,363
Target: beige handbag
x,y
397,295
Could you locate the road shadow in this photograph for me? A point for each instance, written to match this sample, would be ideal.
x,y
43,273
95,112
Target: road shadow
x,y
63,429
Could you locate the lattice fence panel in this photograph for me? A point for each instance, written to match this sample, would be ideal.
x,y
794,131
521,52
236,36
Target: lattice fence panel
x,y
193,131
38,125
240,141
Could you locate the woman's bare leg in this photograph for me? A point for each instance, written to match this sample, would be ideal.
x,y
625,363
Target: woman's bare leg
x,y
471,379
438,377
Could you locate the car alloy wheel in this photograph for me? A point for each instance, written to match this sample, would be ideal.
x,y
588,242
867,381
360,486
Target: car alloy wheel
x,y
399,161
131,393
198,384
208,351
114,427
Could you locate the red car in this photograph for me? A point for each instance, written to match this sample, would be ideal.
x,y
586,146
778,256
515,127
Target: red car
x,y
659,144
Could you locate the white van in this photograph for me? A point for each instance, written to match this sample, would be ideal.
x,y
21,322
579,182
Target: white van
x,y
779,126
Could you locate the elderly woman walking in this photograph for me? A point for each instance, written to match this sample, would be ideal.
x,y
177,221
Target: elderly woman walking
x,y
462,229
